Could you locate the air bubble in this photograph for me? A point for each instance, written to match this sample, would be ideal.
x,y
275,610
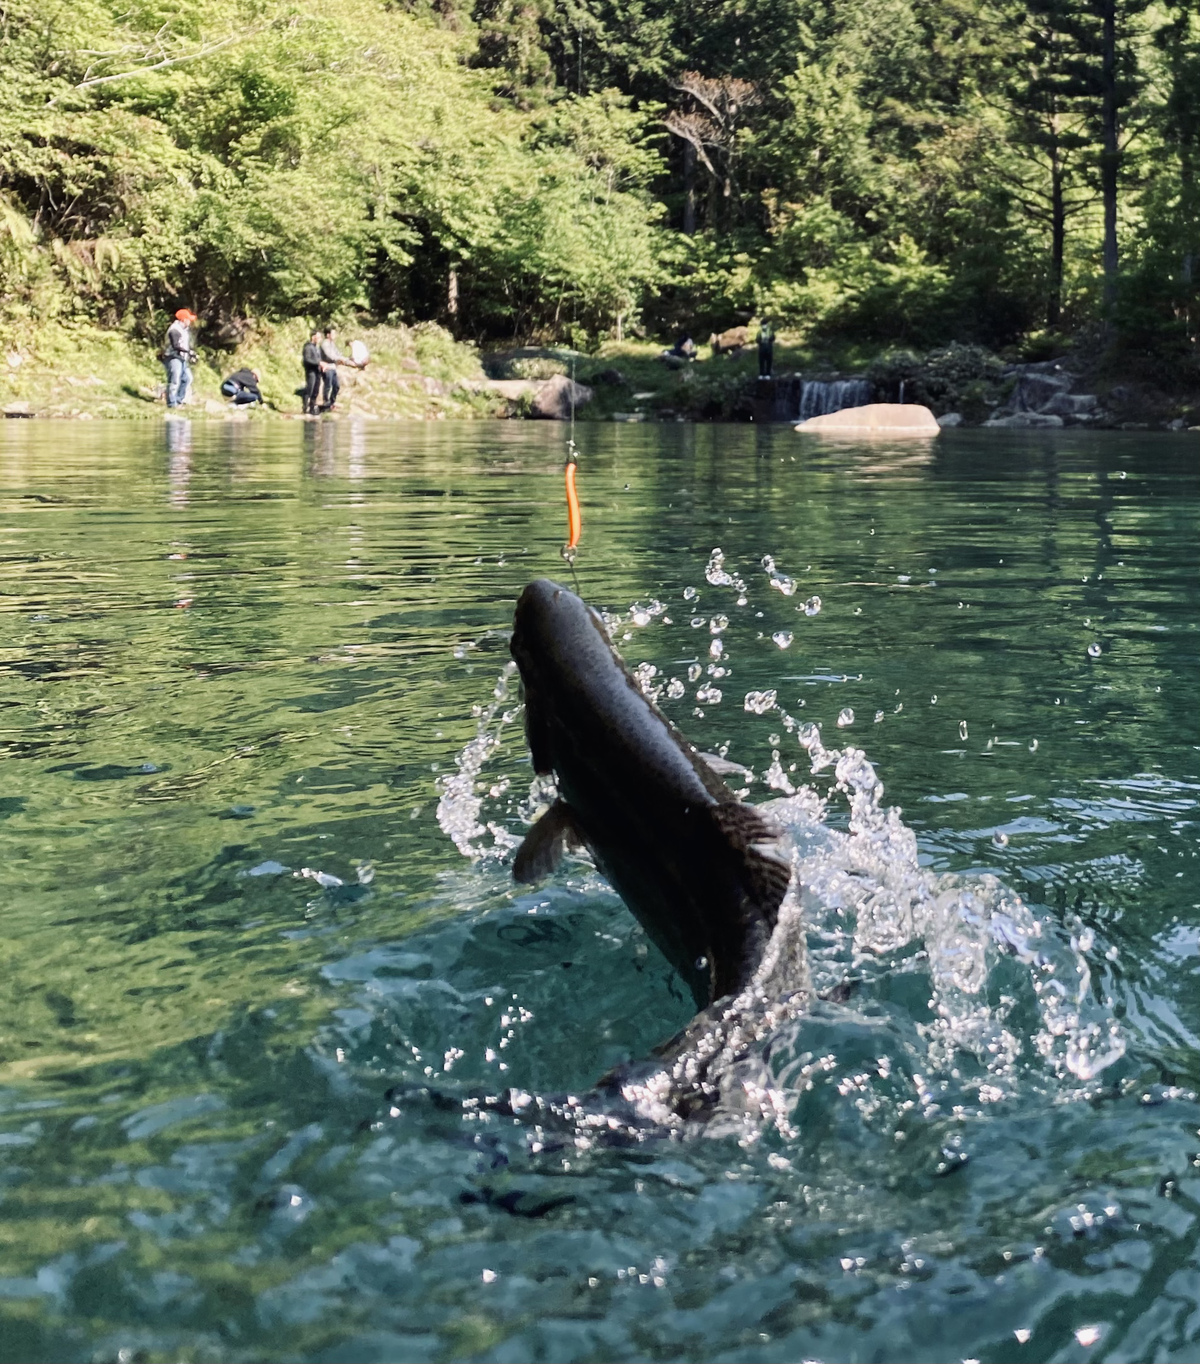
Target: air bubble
x,y
694,671
933,699
879,717
1095,650
697,622
782,638
1033,745
716,648
812,606
962,729
675,689
999,839
845,717
689,593
717,624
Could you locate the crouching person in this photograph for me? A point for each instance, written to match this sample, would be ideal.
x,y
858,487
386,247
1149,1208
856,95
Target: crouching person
x,y
242,388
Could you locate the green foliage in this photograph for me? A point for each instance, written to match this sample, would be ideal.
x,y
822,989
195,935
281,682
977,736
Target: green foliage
x,y
872,170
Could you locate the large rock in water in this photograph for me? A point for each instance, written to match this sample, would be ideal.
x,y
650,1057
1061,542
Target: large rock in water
x,y
875,419
556,397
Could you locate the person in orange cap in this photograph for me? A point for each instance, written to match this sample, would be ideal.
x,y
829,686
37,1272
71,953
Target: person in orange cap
x,y
178,356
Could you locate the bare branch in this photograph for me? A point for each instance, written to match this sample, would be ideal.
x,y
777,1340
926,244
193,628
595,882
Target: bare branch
x,y
166,61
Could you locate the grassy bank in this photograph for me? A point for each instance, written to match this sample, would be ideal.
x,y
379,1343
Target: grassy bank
x,y
422,373
85,373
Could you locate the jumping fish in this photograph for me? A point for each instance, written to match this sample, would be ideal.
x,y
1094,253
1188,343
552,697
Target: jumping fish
x,y
704,873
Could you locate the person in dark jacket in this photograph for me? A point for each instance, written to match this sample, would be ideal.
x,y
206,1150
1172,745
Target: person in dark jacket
x,y
242,387
313,365
766,349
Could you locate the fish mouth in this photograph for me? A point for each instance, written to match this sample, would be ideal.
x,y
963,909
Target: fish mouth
x,y
533,621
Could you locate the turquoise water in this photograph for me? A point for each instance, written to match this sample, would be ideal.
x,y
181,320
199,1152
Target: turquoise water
x,y
260,940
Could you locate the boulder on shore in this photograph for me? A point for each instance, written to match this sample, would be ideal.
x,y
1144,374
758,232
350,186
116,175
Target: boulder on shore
x,y
1023,421
729,342
557,398
875,419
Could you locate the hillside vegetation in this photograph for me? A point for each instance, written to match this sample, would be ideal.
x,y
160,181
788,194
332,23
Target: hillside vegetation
x,y
1005,172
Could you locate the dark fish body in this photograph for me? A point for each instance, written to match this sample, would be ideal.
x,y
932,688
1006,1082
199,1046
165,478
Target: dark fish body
x,y
699,869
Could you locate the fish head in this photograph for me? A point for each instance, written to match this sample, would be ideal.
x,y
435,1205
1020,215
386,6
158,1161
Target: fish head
x,y
550,627
557,640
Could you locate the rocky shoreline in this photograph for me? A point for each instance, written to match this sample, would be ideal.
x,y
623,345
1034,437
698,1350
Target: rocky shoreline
x,y
422,373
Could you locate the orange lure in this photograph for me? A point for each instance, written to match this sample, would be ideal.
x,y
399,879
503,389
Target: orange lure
x,y
574,519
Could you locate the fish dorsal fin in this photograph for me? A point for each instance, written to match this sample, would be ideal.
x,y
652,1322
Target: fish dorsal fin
x,y
756,838
544,845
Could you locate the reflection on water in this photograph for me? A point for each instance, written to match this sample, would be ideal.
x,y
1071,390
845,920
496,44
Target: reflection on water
x,y
250,980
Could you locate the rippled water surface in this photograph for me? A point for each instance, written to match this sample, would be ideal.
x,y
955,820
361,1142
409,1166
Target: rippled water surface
x,y
263,961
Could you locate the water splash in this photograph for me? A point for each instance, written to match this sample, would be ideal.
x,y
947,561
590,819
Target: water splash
x,y
716,574
779,581
460,802
759,702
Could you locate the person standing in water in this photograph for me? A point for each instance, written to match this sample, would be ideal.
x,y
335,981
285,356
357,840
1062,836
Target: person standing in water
x,y
178,357
313,366
766,349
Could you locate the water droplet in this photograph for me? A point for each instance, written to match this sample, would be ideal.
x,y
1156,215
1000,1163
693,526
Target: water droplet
x,y
812,606
694,671
675,689
709,694
845,717
933,699
716,648
1000,839
962,729
689,593
717,624
697,622
1095,650
858,610
1033,745
701,963
759,702
782,638
897,709
879,717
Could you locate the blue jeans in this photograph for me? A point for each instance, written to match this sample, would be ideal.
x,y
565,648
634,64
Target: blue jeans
x,y
179,380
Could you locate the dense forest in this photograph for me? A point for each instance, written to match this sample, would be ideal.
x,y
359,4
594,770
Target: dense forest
x,y
888,170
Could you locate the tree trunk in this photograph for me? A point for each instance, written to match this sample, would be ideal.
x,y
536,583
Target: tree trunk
x,y
1110,155
689,188
1058,237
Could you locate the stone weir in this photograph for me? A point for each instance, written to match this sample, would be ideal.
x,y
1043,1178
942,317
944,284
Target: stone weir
x,y
793,398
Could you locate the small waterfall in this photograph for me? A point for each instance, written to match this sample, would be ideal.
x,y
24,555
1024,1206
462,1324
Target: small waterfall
x,y
797,398
818,396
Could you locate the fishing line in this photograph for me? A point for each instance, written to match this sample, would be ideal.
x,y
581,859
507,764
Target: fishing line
x,y
574,516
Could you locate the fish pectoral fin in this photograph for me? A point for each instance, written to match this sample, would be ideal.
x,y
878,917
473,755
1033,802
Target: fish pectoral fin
x,y
756,838
544,845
